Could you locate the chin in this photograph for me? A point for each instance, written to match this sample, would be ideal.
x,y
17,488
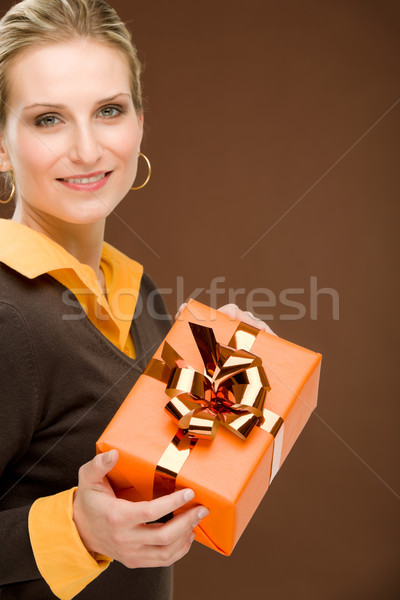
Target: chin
x,y
86,214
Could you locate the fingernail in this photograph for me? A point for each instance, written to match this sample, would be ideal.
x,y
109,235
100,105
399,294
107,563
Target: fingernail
x,y
108,457
188,495
180,309
192,536
203,512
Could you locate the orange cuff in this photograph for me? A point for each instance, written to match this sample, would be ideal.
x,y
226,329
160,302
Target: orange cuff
x,y
60,555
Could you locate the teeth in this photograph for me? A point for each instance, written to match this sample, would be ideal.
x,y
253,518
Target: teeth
x,y
85,179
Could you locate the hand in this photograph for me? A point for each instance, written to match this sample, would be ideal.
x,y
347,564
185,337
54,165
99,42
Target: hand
x,y
117,528
232,310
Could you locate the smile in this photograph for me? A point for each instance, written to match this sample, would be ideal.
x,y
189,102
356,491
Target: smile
x,y
85,179
90,182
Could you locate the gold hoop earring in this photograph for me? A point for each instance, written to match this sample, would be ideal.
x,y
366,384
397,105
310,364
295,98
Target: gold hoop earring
x,y
10,197
148,176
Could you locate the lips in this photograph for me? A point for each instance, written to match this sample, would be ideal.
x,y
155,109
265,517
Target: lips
x,y
89,178
85,179
86,182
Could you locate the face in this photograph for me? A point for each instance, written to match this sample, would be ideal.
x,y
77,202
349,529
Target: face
x,y
72,134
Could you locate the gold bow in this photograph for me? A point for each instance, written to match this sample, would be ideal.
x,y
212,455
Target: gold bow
x,y
231,391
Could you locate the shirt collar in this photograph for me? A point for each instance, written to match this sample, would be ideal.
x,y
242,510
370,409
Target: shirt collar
x,y
32,253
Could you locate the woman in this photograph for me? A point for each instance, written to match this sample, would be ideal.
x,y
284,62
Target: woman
x,y
73,341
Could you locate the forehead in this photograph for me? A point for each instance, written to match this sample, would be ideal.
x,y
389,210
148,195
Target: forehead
x,y
80,71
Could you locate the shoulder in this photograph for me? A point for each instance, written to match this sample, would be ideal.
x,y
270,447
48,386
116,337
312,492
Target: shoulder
x,y
18,357
41,303
9,279
16,307
16,292
15,287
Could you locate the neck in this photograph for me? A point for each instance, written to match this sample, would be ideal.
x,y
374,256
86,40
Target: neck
x,y
83,240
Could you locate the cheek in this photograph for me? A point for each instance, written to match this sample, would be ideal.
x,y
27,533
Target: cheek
x,y
33,156
127,142
129,148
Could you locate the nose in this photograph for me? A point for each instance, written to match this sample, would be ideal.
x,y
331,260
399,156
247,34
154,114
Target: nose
x,y
85,147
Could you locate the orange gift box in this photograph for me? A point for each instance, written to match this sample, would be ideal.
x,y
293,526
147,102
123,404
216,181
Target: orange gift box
x,y
229,471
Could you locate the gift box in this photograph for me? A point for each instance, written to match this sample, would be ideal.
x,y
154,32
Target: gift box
x,y
217,410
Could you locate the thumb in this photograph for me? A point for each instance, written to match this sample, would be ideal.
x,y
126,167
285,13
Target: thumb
x,y
94,471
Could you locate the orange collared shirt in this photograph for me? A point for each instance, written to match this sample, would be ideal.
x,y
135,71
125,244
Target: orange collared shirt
x,y
32,253
61,557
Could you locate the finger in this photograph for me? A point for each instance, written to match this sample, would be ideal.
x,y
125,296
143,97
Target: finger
x,y
246,316
164,534
233,311
94,471
166,555
230,310
153,510
256,322
268,329
180,309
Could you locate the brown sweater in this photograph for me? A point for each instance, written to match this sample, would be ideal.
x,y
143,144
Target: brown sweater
x,y
61,382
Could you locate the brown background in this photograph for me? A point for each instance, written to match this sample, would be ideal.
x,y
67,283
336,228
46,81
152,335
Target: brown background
x,y
252,107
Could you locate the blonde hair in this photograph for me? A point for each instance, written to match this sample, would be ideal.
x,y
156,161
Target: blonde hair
x,y
33,23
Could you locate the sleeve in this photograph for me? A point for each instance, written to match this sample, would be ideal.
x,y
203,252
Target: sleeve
x,y
19,412
30,534
60,555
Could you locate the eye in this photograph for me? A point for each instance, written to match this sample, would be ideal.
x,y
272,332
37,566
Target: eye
x,y
47,121
110,111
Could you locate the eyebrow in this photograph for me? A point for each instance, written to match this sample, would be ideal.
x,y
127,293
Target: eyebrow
x,y
62,106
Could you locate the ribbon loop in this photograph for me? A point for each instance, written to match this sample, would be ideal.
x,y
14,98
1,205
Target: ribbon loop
x,y
231,392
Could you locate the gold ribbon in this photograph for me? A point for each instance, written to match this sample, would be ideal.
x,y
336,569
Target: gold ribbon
x,y
230,392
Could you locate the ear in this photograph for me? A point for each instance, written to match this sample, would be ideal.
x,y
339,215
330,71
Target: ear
x,y
140,120
5,163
